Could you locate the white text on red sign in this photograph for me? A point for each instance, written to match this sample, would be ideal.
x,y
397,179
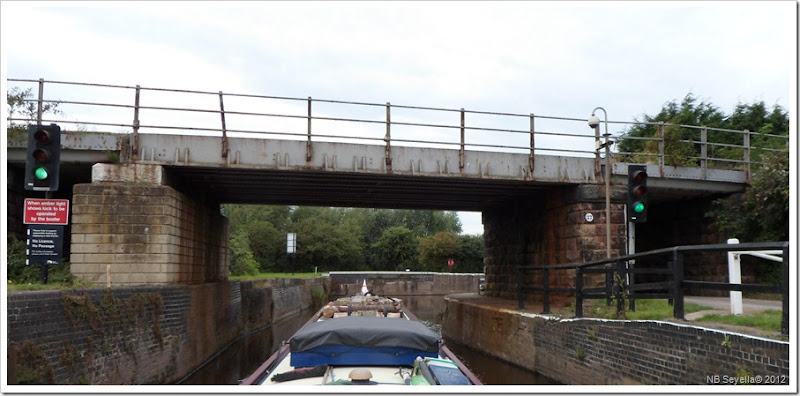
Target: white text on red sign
x,y
46,211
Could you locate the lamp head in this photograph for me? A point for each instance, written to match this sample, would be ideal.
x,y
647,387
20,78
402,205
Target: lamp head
x,y
594,122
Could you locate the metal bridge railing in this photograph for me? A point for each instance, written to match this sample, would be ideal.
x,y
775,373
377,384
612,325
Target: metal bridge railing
x,y
620,278
240,114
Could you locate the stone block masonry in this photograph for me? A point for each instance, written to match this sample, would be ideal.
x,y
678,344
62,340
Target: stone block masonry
x,y
135,234
614,352
548,229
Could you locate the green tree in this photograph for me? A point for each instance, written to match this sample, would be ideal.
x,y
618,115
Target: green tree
x,y
681,144
470,258
241,257
20,105
427,222
436,249
761,213
336,238
396,250
688,112
267,243
326,245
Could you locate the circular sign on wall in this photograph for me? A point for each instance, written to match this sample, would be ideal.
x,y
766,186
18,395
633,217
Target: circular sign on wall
x,y
589,217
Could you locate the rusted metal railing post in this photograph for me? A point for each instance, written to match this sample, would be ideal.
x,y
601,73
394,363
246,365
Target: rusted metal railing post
x,y
661,159
461,151
40,103
135,144
224,128
309,152
531,159
703,152
388,138
746,155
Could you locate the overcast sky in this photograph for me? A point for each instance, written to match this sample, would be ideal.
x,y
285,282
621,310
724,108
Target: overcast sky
x,y
558,59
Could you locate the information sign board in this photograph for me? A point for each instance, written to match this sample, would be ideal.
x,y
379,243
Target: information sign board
x,y
45,244
46,211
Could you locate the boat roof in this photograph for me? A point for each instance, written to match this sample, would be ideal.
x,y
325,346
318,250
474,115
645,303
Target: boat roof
x,y
365,331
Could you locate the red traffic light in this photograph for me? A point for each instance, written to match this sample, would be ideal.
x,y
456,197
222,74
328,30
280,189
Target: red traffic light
x,y
639,176
42,137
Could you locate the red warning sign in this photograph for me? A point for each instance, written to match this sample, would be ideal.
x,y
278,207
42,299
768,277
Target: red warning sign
x,y
46,211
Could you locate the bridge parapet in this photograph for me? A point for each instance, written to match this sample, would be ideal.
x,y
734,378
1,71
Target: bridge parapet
x,y
388,132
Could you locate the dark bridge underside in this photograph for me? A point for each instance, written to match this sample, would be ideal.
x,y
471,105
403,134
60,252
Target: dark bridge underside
x,y
316,188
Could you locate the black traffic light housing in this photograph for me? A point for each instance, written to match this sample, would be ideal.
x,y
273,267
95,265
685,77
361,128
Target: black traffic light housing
x,y
44,158
637,193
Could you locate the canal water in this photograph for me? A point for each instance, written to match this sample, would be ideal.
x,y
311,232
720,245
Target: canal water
x,y
246,354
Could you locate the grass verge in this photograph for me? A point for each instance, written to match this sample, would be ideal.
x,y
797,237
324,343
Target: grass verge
x,y
645,310
767,320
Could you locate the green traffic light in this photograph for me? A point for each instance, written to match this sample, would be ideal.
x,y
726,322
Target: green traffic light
x,y
40,173
638,207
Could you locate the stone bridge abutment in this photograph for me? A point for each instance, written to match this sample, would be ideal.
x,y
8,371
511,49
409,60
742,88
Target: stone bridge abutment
x,y
129,227
560,226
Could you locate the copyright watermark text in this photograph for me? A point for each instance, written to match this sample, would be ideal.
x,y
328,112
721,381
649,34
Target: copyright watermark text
x,y
747,379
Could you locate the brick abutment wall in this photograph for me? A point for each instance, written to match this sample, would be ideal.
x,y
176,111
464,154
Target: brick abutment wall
x,y
615,352
549,229
142,334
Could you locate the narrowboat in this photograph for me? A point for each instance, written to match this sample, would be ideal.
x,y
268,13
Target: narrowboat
x,y
363,340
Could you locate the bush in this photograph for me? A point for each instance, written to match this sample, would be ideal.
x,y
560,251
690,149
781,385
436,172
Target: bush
x,y
19,273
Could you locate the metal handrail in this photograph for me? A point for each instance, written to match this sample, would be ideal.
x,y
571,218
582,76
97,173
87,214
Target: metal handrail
x,y
623,267
460,141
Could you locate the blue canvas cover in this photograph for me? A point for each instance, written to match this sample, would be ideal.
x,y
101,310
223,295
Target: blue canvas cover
x,y
362,340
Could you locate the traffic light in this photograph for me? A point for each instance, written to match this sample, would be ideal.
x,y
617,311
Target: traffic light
x,y
43,160
637,193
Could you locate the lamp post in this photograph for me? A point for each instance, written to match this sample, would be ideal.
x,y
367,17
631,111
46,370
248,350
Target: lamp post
x,y
594,123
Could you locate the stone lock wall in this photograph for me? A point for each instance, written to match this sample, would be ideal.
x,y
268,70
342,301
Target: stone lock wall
x,y
615,352
396,284
145,234
545,230
139,335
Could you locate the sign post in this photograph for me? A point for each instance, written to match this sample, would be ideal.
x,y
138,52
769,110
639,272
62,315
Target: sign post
x,y
46,219
451,263
291,248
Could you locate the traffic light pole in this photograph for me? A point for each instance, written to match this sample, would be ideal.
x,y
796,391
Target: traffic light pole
x,y
608,195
